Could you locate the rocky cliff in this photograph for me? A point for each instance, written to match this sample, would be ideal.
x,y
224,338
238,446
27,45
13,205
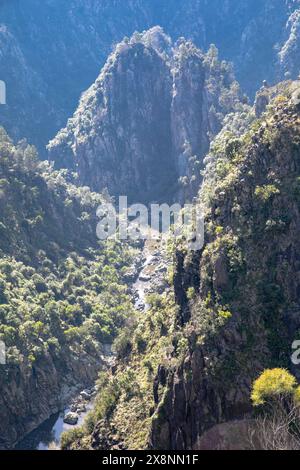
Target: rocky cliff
x,y
52,50
232,309
289,61
247,275
143,127
30,395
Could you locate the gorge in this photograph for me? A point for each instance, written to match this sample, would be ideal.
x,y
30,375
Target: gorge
x,y
192,101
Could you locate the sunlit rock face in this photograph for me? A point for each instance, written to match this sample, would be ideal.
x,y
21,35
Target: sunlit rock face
x,y
45,77
289,56
143,127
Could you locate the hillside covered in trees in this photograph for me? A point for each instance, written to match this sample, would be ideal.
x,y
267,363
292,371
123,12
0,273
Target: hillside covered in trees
x,y
62,293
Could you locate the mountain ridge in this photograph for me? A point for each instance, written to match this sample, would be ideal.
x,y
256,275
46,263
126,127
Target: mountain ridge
x,y
143,128
56,48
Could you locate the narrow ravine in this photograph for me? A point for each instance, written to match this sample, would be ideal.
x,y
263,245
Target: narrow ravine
x,y
151,278
47,435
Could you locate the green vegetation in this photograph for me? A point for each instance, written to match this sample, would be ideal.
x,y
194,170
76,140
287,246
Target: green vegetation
x,y
190,293
266,192
125,404
250,200
61,290
233,297
276,395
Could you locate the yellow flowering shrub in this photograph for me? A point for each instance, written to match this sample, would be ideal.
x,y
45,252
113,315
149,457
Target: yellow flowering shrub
x,y
273,383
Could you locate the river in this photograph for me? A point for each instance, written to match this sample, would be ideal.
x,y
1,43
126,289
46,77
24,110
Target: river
x,y
47,435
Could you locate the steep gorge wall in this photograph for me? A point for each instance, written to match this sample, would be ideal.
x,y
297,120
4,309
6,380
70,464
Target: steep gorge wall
x,y
231,309
30,395
247,274
143,127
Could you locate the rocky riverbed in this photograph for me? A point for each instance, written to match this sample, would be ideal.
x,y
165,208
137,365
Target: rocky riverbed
x,y
47,435
152,275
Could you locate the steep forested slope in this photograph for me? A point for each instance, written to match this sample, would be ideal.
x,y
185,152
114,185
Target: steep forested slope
x,y
235,305
247,274
62,295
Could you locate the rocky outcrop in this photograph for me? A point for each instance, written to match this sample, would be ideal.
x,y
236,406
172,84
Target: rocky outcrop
x,y
195,405
289,55
45,78
142,129
251,270
71,418
267,93
120,135
234,435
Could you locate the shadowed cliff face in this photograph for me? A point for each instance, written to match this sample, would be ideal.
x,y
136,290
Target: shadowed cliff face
x,y
29,397
26,91
120,136
60,46
251,266
142,129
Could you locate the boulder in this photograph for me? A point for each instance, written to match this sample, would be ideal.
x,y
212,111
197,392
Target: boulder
x,y
81,408
144,277
71,418
85,395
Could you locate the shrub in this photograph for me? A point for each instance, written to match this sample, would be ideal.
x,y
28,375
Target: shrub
x,y
277,426
154,300
297,396
68,437
190,293
226,314
273,383
266,192
122,345
141,343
